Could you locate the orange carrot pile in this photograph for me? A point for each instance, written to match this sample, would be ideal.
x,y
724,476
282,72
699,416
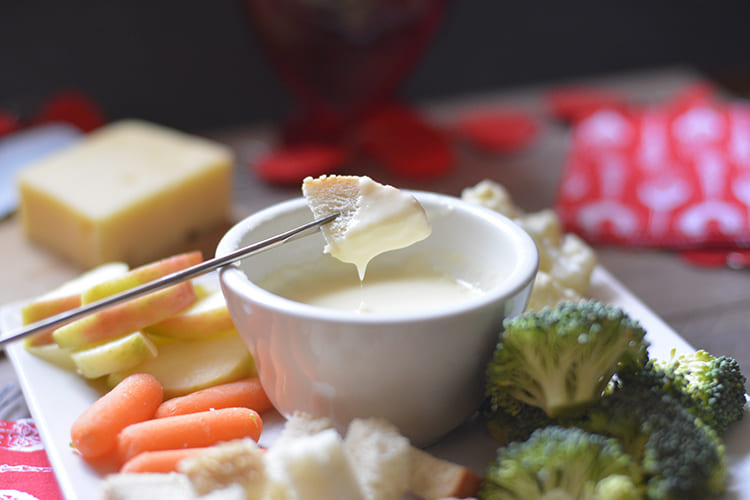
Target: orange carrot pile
x,y
246,393
193,430
123,426
135,399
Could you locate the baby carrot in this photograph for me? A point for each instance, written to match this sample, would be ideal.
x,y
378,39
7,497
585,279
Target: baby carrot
x,y
245,393
159,461
135,399
194,430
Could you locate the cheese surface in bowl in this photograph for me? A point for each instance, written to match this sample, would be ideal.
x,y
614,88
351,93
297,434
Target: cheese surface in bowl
x,y
385,289
130,191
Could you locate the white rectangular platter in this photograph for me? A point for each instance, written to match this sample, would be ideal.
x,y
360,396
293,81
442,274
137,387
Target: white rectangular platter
x,y
56,397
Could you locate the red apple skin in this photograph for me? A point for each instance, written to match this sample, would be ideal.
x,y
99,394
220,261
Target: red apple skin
x,y
125,318
57,301
208,316
44,308
37,311
141,275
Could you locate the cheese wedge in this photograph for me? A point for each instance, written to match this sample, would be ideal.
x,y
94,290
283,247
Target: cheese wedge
x,y
131,191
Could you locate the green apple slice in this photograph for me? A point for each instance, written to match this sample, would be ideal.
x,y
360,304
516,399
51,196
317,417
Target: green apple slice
x,y
184,366
208,316
116,355
52,353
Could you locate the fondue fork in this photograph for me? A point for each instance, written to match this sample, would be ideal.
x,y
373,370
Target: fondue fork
x,y
204,267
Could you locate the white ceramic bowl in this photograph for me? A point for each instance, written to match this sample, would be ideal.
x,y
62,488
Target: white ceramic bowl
x,y
423,371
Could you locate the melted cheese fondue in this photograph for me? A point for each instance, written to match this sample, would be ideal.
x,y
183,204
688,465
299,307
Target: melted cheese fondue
x,y
374,218
382,291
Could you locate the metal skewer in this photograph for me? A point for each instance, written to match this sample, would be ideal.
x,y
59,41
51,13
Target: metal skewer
x,y
170,279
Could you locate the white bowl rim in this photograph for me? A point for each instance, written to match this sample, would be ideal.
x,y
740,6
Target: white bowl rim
x,y
521,276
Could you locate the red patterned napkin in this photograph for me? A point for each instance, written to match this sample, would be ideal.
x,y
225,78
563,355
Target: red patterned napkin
x,y
672,176
25,472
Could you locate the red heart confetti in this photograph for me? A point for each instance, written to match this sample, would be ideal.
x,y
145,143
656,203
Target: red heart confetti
x,y
9,123
498,131
405,143
71,107
291,165
573,104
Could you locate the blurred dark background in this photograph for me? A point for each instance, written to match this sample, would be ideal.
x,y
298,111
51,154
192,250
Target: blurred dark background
x,y
195,64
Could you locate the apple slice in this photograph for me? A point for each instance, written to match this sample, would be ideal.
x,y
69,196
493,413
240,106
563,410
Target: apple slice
x,y
52,353
184,366
127,317
208,316
116,355
141,275
67,296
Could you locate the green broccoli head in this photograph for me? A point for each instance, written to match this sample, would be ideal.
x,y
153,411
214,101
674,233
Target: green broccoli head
x,y
715,385
512,420
561,359
680,456
565,463
712,388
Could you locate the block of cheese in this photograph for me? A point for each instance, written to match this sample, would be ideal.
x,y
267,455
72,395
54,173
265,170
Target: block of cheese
x,y
130,191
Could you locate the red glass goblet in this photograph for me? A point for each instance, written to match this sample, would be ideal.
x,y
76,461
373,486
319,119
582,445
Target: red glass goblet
x,y
343,59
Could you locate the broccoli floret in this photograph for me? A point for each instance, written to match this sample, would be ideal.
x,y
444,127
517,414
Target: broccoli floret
x,y
561,359
513,420
712,388
715,385
681,457
562,463
617,487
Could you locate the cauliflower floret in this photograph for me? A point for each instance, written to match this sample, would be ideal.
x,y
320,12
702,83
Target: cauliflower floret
x,y
491,195
544,226
545,229
564,256
574,263
547,291
565,260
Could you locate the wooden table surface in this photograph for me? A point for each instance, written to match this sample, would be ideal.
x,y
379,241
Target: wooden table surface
x,y
710,308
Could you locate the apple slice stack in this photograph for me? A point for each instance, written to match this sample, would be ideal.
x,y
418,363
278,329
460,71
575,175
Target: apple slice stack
x,y
183,334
